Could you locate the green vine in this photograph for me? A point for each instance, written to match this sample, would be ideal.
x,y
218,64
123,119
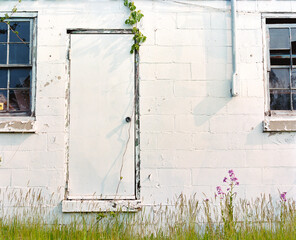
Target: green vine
x,y
7,17
134,18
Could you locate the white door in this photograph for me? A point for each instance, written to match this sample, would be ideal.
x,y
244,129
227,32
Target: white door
x,y
101,141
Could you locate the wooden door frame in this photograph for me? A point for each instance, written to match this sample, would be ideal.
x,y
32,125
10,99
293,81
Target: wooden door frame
x,y
137,186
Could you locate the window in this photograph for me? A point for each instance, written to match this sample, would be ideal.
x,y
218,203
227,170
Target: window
x,y
17,67
281,75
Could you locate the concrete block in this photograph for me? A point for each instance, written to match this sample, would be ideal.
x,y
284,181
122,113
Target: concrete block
x,y
209,106
55,141
248,20
194,21
208,176
180,37
174,177
147,72
219,38
192,123
255,88
209,72
46,124
172,54
182,105
246,105
233,123
5,180
23,142
191,89
219,89
57,54
50,106
174,141
157,20
149,178
210,141
163,88
279,141
173,71
220,20
250,55
279,176
249,38
148,140
147,105
154,159
222,55
282,6
157,123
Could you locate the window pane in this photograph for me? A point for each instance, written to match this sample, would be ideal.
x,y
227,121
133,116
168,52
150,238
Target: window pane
x,y
3,53
294,100
3,100
280,100
279,38
20,78
3,78
19,100
23,29
19,53
293,78
280,57
279,78
3,32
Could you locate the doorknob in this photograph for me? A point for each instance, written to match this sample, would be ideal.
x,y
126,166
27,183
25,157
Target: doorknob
x,y
128,119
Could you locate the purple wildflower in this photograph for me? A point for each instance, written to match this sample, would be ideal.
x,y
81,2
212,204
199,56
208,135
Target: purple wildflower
x,y
219,190
225,179
283,196
233,179
231,173
237,183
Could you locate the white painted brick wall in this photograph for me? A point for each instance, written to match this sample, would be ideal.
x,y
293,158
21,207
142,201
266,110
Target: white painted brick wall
x,y
192,130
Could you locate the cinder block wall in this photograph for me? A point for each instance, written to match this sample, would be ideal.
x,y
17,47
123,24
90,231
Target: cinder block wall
x,y
192,130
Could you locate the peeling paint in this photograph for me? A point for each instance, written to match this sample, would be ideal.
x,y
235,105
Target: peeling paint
x,y
17,126
279,125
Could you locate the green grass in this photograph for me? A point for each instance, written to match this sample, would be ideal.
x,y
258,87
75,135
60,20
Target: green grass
x,y
262,218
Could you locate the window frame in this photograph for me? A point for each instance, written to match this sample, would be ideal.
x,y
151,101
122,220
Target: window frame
x,y
274,120
32,18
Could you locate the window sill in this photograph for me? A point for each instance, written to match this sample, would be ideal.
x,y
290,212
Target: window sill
x,y
279,124
17,125
87,206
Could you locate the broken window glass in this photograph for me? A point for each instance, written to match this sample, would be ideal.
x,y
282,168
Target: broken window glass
x,y
282,75
16,68
23,29
19,100
279,78
280,100
280,57
20,78
3,32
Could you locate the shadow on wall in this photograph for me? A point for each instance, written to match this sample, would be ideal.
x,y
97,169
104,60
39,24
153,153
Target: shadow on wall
x,y
214,73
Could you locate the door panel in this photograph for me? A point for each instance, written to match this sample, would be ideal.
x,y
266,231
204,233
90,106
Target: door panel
x,y
101,141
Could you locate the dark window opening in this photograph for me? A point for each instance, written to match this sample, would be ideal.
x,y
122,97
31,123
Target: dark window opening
x,y
15,67
282,75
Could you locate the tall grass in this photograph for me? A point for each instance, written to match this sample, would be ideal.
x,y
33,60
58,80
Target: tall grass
x,y
224,217
262,218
